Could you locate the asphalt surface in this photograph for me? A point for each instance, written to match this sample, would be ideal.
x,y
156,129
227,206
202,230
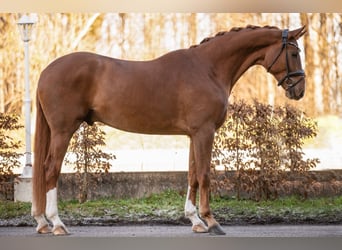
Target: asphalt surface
x,y
279,231
256,237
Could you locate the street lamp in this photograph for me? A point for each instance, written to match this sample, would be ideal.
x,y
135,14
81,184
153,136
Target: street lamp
x,y
25,25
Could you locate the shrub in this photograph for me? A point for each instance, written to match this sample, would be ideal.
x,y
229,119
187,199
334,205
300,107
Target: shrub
x,y
9,157
87,157
262,144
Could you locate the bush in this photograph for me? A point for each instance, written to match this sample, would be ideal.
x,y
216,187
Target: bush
x,y
9,158
262,144
87,157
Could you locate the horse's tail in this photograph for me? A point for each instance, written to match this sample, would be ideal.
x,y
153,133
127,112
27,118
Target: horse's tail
x,y
41,148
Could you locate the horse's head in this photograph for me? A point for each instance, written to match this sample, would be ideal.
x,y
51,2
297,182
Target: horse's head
x,y
283,61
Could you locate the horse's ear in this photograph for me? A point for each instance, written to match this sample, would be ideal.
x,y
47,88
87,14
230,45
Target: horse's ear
x,y
296,34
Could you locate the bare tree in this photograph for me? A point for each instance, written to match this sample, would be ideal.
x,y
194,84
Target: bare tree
x,y
139,36
309,63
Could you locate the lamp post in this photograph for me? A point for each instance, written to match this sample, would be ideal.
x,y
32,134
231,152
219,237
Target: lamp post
x,y
25,25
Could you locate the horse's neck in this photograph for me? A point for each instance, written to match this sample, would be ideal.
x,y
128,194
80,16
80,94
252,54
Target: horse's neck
x,y
234,55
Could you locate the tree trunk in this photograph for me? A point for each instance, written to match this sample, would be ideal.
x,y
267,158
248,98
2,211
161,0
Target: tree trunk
x,y
309,66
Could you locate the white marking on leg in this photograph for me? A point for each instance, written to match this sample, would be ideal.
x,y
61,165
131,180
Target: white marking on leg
x,y
43,224
52,210
191,213
51,203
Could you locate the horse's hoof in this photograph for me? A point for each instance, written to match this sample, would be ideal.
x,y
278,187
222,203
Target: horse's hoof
x,y
200,228
60,231
44,230
216,230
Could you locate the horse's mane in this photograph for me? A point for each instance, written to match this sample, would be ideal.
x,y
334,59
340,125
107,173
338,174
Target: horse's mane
x,y
234,29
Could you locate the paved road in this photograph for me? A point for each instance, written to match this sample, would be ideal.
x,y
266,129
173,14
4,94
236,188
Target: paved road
x,y
311,231
300,237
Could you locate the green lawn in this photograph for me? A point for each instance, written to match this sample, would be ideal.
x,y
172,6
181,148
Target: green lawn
x,y
168,207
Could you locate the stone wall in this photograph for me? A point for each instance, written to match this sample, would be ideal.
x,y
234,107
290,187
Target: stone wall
x,y
139,184
123,185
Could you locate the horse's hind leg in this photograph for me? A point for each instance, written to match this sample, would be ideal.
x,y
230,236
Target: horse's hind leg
x,y
190,210
58,146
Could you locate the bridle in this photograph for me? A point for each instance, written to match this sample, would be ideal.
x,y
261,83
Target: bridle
x,y
289,74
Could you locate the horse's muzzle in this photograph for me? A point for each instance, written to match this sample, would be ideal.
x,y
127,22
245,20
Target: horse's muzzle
x,y
296,91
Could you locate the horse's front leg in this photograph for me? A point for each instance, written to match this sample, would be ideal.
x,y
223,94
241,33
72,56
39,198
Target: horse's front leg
x,y
202,145
190,210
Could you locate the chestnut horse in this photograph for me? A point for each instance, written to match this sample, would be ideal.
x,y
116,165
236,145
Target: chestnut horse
x,y
184,92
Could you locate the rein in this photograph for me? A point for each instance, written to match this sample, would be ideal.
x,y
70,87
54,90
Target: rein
x,y
289,74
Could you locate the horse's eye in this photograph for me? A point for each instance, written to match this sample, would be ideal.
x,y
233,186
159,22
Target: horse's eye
x,y
294,54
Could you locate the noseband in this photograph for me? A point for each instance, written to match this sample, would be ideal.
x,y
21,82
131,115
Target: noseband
x,y
289,74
